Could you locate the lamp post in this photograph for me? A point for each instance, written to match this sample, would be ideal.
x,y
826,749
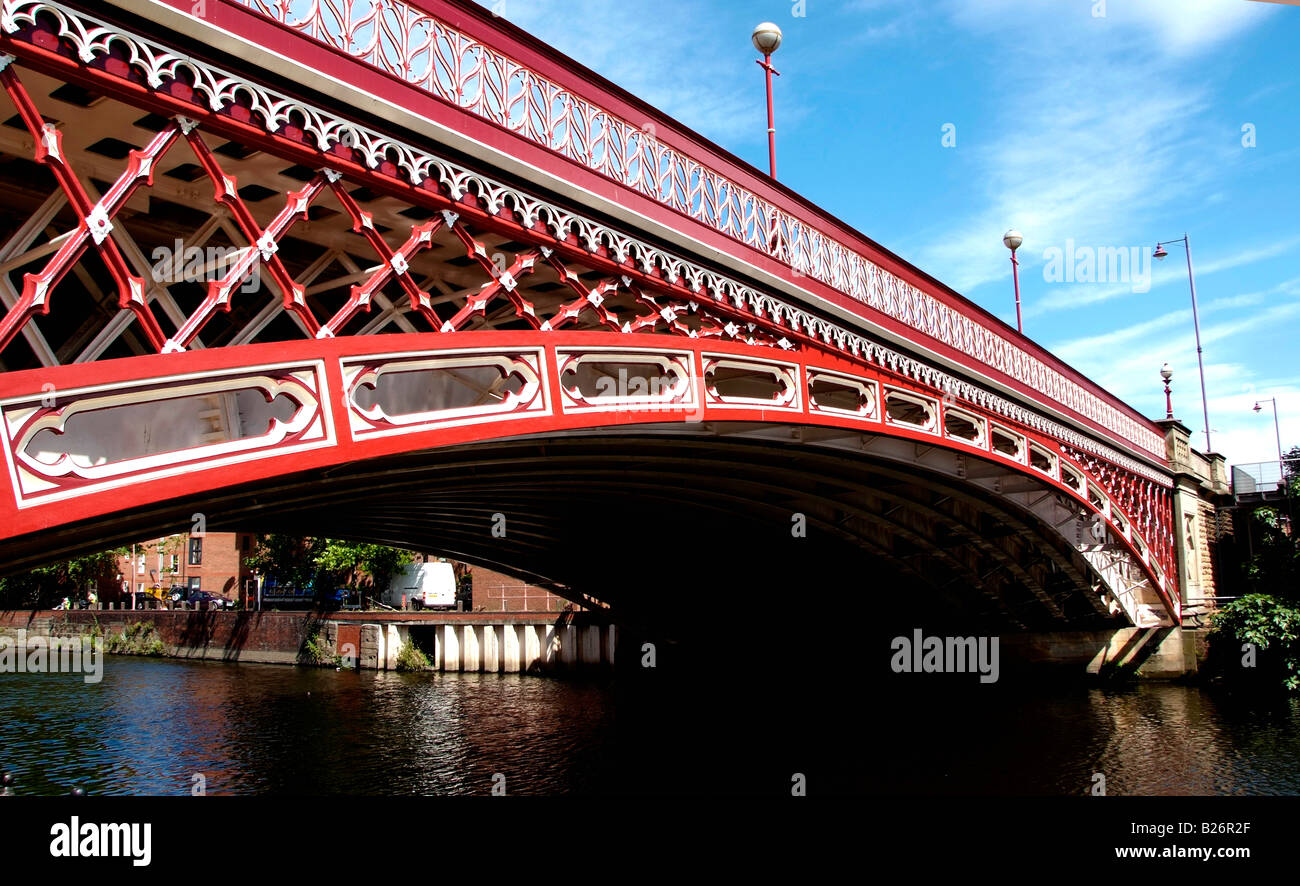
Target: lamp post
x,y
1159,255
1166,373
1281,466
1276,431
1012,240
767,39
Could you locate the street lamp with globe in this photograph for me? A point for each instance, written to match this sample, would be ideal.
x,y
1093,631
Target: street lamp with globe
x,y
767,39
1012,240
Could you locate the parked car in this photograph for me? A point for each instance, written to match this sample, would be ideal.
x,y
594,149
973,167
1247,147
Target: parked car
x,y
200,599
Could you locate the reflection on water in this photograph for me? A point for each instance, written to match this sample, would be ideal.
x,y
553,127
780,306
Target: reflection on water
x,y
151,725
1152,739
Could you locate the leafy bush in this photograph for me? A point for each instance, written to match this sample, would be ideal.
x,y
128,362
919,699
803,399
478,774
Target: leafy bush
x,y
318,650
1275,564
412,658
1272,625
140,638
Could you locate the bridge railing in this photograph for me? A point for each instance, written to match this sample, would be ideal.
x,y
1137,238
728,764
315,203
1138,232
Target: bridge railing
x,y
1266,478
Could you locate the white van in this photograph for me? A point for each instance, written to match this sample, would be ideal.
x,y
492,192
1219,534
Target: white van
x,y
424,586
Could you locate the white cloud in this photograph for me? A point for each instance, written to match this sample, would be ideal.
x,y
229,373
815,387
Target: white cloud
x,y
1243,257
1188,26
1080,171
1097,129
1177,27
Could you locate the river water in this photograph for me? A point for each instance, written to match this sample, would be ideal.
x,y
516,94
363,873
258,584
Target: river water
x,y
152,725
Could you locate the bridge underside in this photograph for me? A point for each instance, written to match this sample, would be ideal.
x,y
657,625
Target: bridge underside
x,y
655,518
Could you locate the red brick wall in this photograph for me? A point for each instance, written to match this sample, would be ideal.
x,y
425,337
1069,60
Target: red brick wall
x,y
259,636
348,635
494,592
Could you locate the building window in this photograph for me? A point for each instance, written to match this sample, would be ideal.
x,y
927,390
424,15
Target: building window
x,y
196,551
172,562
194,583
139,587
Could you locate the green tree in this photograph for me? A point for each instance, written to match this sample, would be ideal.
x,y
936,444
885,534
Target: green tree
x,y
46,586
1271,626
327,562
1258,634
1274,564
289,559
346,561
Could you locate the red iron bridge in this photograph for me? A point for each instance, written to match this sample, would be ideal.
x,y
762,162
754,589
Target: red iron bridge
x,y
397,270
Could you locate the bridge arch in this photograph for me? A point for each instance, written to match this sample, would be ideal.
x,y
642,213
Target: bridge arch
x,y
727,429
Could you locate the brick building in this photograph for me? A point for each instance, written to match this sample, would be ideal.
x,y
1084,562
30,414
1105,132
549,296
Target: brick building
x,y
211,562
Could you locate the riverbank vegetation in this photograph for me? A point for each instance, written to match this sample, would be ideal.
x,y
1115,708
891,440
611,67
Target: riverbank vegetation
x,y
412,658
45,586
1263,631
318,649
140,638
1255,639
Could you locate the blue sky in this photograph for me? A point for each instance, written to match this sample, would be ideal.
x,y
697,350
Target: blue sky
x,y
1104,124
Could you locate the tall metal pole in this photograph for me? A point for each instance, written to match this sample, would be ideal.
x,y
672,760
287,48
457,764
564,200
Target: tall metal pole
x,y
1015,275
1169,403
1012,240
1278,434
1160,253
767,40
1281,470
771,115
1200,361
